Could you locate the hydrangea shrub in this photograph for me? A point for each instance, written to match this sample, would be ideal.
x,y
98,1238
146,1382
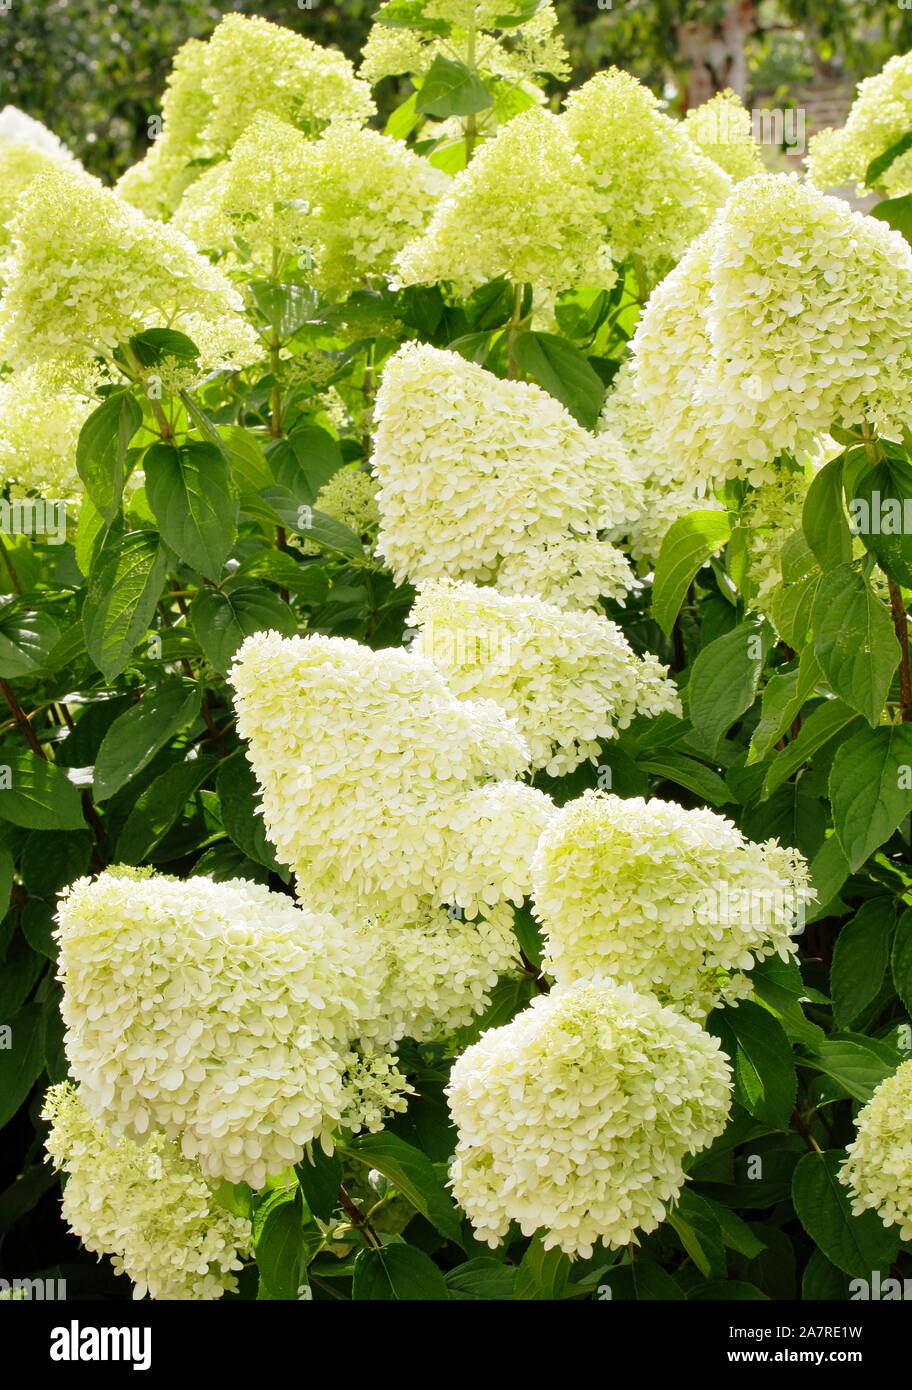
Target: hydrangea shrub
x,y
456,769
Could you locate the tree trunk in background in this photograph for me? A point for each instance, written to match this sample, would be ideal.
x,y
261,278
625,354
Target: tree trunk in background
x,y
715,55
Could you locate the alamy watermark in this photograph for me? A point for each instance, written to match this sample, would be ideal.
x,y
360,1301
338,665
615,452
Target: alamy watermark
x,y
33,516
784,129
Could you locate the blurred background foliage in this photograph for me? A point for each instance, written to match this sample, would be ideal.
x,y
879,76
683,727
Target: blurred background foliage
x,y
94,72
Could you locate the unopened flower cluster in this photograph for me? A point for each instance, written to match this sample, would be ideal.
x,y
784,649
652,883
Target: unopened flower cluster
x,y
574,1119
145,1205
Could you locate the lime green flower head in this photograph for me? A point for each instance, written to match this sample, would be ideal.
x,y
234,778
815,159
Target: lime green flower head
x,y
878,1170
85,271
881,114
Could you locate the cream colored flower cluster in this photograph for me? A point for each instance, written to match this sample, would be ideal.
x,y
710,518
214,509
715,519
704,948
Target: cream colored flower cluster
x,y
654,189
569,681
575,1118
673,902
85,272
522,209
340,735
348,201
248,66
790,314
350,496
218,1013
881,114
145,1205
878,1170
42,410
494,481
438,967
721,128
27,149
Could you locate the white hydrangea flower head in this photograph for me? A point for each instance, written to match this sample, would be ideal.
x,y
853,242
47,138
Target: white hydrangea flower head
x,y
21,163
255,65
440,967
375,1088
878,1170
338,734
156,183
479,476
42,410
218,1013
881,114
670,901
654,188
496,832
521,209
790,314
722,130
370,195
17,128
572,572
533,48
574,1119
570,681
85,272
145,1205
256,197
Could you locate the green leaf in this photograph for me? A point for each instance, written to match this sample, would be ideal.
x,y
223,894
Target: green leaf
x,y
723,1290
192,496
483,1278
305,461
564,372
761,1054
882,501
857,1245
286,307
409,14
642,1281
137,735
124,585
724,679
325,531
222,618
854,641
824,520
452,89
700,1233
778,986
37,926
22,1063
901,959
397,1272
871,788
519,12
823,1282
158,808
239,797
860,958
792,605
687,546
881,164
412,1173
403,120
542,1274
26,641
784,696
39,796
154,345
17,978
281,1250
857,1064
309,582
102,449
686,772
897,213
822,724
320,1177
